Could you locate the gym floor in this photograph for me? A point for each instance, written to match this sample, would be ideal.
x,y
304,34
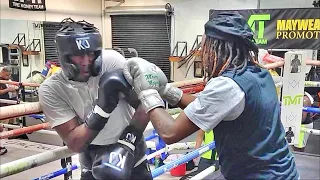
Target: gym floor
x,y
18,149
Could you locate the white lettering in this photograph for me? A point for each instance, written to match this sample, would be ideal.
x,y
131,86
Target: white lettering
x,y
121,159
16,4
82,44
132,138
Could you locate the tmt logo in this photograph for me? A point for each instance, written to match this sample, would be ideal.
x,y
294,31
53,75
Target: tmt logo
x,y
292,100
257,25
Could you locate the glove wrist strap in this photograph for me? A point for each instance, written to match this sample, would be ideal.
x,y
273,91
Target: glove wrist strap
x,y
96,119
150,99
131,146
172,95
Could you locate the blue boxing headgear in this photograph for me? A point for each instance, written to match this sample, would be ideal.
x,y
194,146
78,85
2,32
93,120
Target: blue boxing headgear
x,y
76,39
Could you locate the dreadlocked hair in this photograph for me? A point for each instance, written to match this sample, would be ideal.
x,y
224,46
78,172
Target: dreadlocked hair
x,y
219,55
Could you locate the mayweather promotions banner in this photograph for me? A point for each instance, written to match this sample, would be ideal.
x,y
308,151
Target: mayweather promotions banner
x,y
282,28
30,5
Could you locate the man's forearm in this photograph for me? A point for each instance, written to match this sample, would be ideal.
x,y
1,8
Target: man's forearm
x,y
163,123
186,100
80,138
199,138
140,119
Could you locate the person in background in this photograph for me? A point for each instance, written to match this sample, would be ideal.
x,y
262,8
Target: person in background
x,y
5,89
5,74
209,158
306,122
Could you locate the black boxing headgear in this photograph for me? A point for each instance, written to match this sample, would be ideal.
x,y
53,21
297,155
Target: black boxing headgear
x,y
76,39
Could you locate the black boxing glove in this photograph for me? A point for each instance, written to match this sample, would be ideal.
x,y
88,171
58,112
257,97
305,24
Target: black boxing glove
x,y
118,161
111,85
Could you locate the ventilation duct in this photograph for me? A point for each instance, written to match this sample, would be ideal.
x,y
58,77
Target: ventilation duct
x,y
139,10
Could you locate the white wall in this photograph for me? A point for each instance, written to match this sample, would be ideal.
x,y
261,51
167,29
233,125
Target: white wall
x,y
57,10
191,15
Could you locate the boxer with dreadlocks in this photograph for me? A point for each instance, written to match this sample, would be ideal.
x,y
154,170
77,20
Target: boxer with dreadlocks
x,y
239,103
219,55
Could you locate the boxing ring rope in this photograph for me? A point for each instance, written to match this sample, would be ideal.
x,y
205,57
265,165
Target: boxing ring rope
x,y
168,148
279,62
204,173
306,84
188,157
19,83
6,101
311,131
24,164
278,83
25,130
34,107
176,146
12,111
311,110
181,84
58,173
176,84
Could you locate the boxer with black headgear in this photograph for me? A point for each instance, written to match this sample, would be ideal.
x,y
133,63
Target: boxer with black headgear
x,y
93,108
77,40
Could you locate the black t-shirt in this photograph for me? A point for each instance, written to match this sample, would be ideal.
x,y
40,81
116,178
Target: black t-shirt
x,y
3,96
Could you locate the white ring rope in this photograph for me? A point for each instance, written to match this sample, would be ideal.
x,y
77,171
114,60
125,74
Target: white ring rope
x,y
310,131
203,174
6,101
278,82
26,163
40,131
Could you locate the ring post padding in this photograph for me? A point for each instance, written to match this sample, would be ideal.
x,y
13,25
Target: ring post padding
x,y
188,157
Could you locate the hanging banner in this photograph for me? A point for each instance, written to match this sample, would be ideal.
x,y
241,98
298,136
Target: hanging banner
x,y
292,94
29,5
282,28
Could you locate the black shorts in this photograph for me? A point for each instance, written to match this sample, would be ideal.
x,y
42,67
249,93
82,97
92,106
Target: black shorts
x,y
142,171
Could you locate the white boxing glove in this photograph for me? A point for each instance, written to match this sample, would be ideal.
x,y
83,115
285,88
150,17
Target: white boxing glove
x,y
146,79
143,75
171,94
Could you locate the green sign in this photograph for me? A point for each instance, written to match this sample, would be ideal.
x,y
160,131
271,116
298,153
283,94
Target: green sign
x,y
289,28
292,100
259,19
